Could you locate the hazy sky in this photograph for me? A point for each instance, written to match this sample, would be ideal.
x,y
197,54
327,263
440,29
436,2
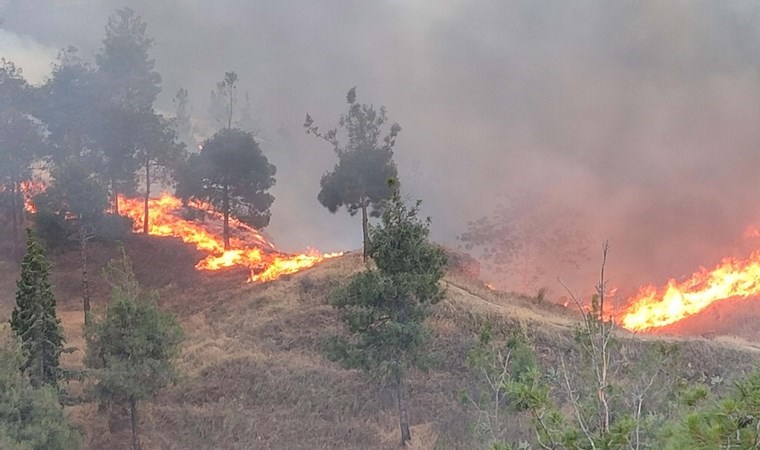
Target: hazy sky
x,y
643,115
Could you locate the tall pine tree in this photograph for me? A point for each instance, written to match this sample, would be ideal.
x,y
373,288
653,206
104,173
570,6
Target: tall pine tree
x,y
129,85
34,319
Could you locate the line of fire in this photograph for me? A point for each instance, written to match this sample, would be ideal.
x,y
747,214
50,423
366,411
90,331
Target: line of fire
x,y
650,308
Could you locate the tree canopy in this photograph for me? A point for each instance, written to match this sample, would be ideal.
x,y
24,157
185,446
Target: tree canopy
x,y
125,64
133,347
128,86
21,140
385,307
232,174
365,161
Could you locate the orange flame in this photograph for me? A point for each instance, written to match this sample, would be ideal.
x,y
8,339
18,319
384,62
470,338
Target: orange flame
x,y
248,247
29,189
732,278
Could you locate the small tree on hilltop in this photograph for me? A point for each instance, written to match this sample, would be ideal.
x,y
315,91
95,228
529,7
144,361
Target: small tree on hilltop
x,y
34,319
365,162
132,349
385,308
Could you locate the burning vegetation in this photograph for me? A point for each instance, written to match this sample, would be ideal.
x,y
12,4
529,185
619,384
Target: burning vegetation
x,y
248,248
199,225
653,307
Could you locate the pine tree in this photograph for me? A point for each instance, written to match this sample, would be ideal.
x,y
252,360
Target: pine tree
x,y
224,100
182,121
129,85
30,418
21,140
132,349
365,162
232,174
385,308
34,319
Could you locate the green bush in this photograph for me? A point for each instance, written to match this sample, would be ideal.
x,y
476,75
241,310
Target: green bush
x,y
30,419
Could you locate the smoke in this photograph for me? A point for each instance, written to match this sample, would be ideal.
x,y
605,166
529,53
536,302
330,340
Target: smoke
x,y
643,116
25,52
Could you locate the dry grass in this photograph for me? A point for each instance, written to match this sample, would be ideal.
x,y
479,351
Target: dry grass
x,y
253,374
8,273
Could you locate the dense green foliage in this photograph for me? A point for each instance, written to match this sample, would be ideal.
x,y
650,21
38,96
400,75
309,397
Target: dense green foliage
x,y
385,307
30,419
132,348
34,318
730,423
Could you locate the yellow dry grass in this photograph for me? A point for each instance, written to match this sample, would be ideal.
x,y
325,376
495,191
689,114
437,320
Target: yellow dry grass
x,y
253,374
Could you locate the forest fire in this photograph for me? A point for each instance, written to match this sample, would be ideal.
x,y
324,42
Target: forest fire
x,y
29,189
248,248
731,278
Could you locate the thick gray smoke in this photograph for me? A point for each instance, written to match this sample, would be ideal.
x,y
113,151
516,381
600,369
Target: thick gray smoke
x,y
644,116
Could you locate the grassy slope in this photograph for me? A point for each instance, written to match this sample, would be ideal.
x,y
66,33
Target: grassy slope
x,y
253,375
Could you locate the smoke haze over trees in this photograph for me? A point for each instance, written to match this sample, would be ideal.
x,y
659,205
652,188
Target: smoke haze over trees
x,y
641,114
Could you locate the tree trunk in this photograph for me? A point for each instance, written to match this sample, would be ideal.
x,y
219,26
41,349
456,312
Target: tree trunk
x,y
14,215
226,211
146,210
115,195
85,276
365,229
403,413
135,430
605,341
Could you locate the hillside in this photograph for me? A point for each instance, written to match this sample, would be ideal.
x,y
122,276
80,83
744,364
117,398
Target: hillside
x,y
253,374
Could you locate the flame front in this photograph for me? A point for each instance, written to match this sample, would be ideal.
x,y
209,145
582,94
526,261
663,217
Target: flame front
x,y
732,278
248,248
29,189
